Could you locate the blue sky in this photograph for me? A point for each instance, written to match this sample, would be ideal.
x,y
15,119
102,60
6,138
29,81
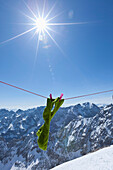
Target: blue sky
x,y
85,66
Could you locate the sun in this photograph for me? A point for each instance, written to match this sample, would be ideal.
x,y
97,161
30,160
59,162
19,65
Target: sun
x,y
41,24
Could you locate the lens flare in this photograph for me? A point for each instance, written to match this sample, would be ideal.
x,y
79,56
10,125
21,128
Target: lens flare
x,y
41,24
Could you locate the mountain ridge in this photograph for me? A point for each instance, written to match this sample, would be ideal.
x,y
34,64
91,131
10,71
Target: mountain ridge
x,y
74,132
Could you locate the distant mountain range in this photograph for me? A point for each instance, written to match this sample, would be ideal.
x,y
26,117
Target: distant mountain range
x,y
74,132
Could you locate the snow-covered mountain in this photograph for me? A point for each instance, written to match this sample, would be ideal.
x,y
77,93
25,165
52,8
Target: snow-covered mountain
x,y
99,160
74,132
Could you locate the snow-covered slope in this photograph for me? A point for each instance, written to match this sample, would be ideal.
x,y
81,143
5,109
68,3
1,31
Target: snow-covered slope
x,y
74,132
99,160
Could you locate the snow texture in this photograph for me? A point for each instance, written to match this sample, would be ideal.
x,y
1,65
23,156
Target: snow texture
x,y
99,160
74,132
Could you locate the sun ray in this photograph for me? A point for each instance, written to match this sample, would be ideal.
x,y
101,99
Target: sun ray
x,y
42,25
26,23
36,54
53,30
43,31
54,41
55,16
37,45
73,23
43,9
19,35
34,20
34,34
50,11
39,15
30,9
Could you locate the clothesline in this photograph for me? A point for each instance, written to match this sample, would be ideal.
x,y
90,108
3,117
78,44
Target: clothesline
x,y
47,97
22,89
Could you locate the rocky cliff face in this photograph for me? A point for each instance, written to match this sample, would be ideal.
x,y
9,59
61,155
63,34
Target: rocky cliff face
x,y
74,131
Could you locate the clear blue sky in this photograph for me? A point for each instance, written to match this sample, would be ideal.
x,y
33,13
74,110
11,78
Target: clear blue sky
x,y
85,67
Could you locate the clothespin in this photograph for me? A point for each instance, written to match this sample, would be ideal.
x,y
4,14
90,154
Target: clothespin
x,y
61,96
51,96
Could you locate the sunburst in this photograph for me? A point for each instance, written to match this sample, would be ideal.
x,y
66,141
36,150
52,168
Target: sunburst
x,y
42,25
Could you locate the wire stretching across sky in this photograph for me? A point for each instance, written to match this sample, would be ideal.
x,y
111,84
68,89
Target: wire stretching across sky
x,y
41,24
85,95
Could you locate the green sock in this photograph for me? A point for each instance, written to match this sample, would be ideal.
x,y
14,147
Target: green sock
x,y
43,132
